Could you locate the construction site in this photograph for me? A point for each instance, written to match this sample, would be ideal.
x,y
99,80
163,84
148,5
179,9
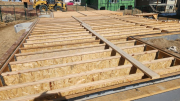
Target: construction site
x,y
90,55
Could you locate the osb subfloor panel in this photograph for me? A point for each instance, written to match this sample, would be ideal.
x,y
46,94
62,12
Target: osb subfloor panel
x,y
141,92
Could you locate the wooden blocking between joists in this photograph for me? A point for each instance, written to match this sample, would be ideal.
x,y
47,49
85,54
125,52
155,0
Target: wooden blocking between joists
x,y
43,70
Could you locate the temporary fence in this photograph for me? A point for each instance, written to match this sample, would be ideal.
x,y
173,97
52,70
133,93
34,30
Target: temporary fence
x,y
9,13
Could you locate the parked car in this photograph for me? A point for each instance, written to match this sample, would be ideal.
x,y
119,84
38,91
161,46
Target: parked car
x,y
70,3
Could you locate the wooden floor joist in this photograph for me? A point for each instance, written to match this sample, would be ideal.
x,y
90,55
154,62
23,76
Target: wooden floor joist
x,y
85,52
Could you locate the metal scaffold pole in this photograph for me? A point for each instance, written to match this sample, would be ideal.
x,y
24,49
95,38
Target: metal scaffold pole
x,y
14,13
25,13
1,14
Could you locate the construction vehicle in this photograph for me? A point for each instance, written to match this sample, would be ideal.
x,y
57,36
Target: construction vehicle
x,y
44,5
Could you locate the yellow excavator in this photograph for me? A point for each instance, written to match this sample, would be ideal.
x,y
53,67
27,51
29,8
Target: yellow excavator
x,y
44,5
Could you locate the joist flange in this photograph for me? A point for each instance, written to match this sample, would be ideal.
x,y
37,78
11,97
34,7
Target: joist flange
x,y
136,63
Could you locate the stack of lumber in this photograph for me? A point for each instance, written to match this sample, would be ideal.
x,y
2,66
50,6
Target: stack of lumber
x,y
60,57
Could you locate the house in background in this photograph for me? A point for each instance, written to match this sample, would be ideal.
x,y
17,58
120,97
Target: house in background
x,y
112,5
158,5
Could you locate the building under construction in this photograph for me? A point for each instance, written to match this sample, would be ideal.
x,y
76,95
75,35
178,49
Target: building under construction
x,y
89,55
112,5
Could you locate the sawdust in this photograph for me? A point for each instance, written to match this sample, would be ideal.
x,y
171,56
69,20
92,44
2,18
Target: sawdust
x,y
2,24
165,44
8,36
